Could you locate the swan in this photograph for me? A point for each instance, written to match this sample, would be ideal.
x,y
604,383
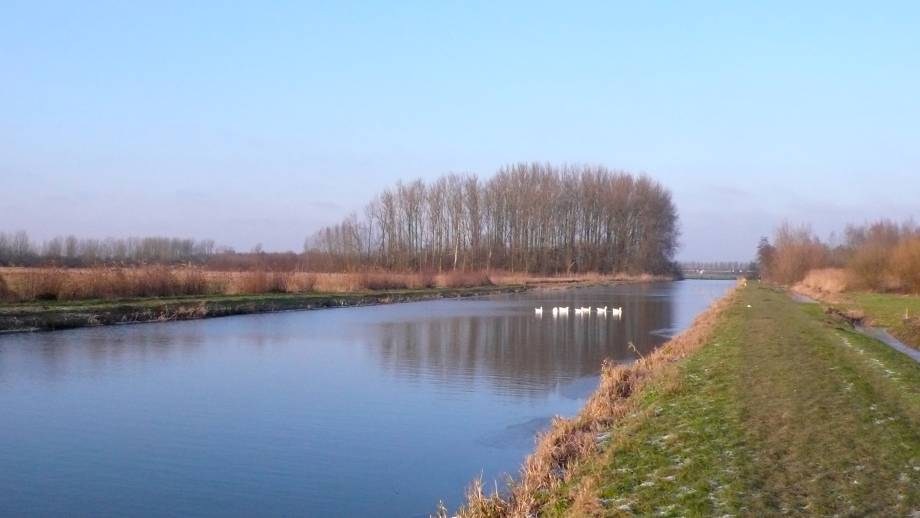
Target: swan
x,y
616,311
602,311
538,311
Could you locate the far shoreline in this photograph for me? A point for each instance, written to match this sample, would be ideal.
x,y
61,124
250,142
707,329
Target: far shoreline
x,y
42,316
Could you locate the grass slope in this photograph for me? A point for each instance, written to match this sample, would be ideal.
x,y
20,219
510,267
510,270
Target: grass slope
x,y
783,411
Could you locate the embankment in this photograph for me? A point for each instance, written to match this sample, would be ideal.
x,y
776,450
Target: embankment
x,y
68,315
765,406
570,442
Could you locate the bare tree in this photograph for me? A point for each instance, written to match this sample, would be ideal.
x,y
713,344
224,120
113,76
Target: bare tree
x,y
528,217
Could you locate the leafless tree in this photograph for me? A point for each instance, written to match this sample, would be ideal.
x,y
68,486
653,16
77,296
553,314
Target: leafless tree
x,y
528,217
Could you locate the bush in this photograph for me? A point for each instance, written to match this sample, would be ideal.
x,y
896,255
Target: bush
x,y
905,264
796,251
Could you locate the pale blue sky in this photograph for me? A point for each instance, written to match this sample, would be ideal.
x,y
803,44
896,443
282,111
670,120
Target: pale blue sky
x,y
261,123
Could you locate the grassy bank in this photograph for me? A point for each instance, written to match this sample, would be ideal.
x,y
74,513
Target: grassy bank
x,y
899,314
776,408
47,316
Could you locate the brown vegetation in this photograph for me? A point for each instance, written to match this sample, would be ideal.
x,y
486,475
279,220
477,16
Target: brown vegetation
x,y
824,283
62,284
6,294
882,256
27,284
795,252
570,441
904,263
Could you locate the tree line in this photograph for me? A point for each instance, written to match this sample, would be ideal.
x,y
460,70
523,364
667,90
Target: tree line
x,y
882,256
535,218
17,249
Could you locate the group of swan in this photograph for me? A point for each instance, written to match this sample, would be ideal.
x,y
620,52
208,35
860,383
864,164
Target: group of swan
x,y
583,310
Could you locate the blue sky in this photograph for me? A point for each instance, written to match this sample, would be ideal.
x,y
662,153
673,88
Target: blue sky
x,y
261,122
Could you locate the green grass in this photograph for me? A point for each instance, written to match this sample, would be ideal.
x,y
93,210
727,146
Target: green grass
x,y
784,411
888,311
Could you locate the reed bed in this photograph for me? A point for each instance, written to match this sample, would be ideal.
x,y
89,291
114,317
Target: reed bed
x,y
824,284
63,284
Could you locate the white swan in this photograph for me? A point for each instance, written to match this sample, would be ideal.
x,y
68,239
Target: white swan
x,y
538,311
618,312
602,311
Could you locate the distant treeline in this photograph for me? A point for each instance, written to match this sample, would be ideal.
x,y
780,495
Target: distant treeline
x,y
880,256
17,249
718,266
531,218
528,217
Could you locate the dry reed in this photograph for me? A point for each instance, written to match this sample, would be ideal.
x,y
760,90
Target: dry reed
x,y
30,284
823,283
6,294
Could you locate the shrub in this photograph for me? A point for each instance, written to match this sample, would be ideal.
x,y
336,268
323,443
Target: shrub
x,y
796,251
868,267
905,264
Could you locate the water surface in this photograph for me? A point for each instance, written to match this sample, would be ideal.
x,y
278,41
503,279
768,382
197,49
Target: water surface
x,y
344,412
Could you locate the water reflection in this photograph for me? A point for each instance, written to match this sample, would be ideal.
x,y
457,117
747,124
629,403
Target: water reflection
x,y
515,351
296,413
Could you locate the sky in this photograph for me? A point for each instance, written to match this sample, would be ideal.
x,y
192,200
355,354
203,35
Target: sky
x,y
261,122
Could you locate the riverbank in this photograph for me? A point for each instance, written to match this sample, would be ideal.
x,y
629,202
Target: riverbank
x,y
50,316
764,406
58,315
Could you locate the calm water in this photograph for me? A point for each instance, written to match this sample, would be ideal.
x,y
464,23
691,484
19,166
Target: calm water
x,y
376,411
